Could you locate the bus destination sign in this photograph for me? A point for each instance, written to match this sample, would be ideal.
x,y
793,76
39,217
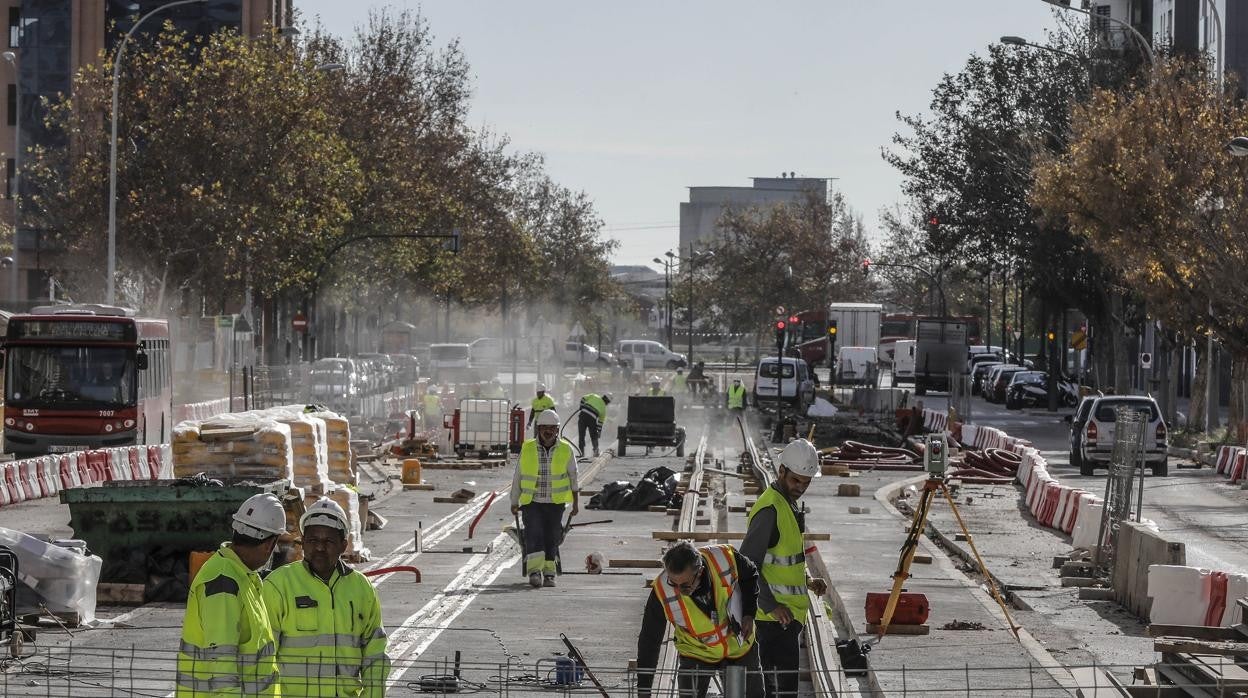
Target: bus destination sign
x,y
70,329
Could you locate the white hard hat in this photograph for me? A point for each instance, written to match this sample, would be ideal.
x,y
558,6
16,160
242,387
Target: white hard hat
x,y
801,458
260,516
541,387
547,418
324,512
655,379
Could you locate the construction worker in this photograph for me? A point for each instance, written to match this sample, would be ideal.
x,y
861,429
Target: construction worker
x,y
494,390
656,386
433,408
679,382
540,403
736,397
326,615
593,414
774,542
227,640
708,596
544,482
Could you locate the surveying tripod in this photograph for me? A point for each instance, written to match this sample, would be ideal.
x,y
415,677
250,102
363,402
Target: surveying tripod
x,y
934,462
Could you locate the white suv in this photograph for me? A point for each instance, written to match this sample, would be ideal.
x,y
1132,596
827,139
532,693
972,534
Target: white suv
x,y
651,354
1092,428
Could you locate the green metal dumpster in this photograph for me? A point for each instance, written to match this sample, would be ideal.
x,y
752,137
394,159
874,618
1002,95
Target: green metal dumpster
x,y
145,530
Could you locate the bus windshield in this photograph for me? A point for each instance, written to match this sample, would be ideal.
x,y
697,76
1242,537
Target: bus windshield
x,y
69,377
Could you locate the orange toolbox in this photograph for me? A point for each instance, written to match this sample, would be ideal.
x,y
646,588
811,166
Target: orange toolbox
x,y
911,609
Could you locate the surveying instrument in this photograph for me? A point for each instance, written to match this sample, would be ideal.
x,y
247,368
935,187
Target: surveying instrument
x,y
935,462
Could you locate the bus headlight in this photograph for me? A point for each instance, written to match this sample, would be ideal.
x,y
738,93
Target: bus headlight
x,y
30,426
108,428
8,422
128,423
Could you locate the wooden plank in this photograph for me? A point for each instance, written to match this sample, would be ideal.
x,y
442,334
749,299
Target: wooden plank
x,y
225,433
721,535
1190,646
1198,632
452,500
626,562
424,486
121,594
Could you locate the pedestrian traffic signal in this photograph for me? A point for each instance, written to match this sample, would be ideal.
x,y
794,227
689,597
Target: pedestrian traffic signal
x,y
780,335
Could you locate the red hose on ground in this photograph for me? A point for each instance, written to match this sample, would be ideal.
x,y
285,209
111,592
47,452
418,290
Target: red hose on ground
x,y
477,519
396,568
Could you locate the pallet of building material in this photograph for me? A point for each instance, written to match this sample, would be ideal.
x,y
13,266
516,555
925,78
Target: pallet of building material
x,y
234,445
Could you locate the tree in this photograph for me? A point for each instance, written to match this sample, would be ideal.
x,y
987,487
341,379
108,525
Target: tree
x,y
230,169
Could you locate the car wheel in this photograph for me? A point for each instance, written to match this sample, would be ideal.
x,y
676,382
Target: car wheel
x,y
1075,460
1161,469
1086,467
673,365
1012,404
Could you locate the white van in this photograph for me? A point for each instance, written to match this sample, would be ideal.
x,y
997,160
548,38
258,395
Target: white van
x,y
448,356
788,383
651,354
857,365
903,361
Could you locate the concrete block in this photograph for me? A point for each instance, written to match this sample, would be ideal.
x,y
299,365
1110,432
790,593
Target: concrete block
x,y
1078,581
1077,569
1096,594
848,490
860,510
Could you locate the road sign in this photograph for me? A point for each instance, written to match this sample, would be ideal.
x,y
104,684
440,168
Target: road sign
x,y
577,330
779,310
299,323
1017,335
1146,359
1078,340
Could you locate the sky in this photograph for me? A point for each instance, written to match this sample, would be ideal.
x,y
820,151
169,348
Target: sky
x,y
634,102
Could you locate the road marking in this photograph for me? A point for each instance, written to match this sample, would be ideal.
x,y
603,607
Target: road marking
x,y
419,630
438,532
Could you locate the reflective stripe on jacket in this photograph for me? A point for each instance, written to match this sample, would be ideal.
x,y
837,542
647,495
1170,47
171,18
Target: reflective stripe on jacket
x,y
330,637
540,404
706,638
784,566
227,643
736,397
530,471
597,406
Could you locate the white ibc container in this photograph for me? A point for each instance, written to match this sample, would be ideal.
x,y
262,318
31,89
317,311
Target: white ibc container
x,y
483,424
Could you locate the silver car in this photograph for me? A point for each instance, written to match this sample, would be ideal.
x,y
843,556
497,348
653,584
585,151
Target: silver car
x,y
1094,426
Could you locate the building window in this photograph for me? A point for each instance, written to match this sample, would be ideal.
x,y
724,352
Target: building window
x,y
10,171
15,27
1100,21
12,104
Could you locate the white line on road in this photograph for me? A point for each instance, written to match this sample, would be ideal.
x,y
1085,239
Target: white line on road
x,y
423,627
439,531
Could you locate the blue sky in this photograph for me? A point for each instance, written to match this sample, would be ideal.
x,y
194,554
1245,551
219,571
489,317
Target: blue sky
x,y
634,102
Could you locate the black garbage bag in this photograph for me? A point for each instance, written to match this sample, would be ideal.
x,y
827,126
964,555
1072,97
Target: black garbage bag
x,y
853,656
612,496
656,487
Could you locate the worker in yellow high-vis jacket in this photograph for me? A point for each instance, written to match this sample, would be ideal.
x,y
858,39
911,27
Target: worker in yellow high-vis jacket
x,y
227,640
544,483
331,639
774,542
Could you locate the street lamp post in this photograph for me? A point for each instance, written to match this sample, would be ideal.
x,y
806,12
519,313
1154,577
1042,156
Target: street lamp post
x,y
667,295
1020,41
112,148
17,172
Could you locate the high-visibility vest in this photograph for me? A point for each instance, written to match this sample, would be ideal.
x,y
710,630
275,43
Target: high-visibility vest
x,y
597,404
330,638
433,405
560,483
736,397
678,383
699,636
227,643
655,390
541,404
784,565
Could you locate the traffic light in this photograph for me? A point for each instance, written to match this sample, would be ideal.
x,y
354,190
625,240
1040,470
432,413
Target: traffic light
x,y
832,335
866,267
933,224
1052,335
780,335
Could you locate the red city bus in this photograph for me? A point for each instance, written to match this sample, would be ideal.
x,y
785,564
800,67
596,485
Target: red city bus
x,y
810,338
85,376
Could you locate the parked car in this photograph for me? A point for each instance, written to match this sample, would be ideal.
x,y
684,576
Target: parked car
x,y
998,381
382,370
333,380
976,359
788,384
575,353
1095,434
979,375
406,367
448,356
1031,389
650,353
1077,421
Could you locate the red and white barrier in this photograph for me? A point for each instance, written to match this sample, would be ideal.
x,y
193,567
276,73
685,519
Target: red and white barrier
x,y
47,476
1194,596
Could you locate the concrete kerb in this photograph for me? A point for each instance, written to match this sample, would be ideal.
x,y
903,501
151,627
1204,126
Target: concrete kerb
x,y
1054,668
845,629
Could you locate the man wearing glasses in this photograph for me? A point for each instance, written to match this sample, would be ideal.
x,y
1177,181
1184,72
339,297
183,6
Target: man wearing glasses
x,y
775,543
708,595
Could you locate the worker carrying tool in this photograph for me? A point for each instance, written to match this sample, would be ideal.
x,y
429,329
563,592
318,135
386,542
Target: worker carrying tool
x,y
708,595
327,615
736,397
774,542
540,403
227,640
543,484
592,415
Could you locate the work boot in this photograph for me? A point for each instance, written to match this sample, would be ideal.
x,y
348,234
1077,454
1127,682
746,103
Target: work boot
x,y
595,453
535,580
550,581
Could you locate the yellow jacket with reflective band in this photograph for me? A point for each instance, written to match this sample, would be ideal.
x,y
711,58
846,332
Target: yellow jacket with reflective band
x,y
699,636
330,638
678,383
736,397
597,404
227,644
541,404
784,565
560,483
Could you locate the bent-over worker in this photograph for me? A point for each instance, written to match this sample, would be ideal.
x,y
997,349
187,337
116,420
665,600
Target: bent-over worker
x,y
593,414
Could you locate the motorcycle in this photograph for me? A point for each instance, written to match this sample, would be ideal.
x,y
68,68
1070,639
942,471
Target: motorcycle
x,y
1035,393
